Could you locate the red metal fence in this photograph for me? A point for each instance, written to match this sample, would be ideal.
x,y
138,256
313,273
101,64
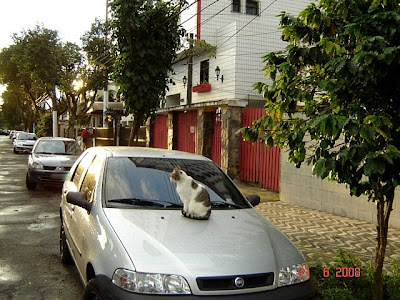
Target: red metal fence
x,y
185,131
258,162
159,134
215,153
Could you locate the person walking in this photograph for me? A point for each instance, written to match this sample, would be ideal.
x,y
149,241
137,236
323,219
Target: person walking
x,y
84,136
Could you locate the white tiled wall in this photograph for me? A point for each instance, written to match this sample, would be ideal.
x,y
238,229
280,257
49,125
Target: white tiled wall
x,y
299,186
241,41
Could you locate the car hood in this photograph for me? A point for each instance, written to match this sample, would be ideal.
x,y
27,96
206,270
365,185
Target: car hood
x,y
55,160
238,241
26,142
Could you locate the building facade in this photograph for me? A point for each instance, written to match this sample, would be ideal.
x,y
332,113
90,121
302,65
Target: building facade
x,y
202,110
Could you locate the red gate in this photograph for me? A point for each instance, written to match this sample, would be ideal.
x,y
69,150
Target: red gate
x,y
160,132
185,131
258,162
215,151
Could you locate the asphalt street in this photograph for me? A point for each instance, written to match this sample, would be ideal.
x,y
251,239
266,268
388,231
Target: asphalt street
x,y
29,236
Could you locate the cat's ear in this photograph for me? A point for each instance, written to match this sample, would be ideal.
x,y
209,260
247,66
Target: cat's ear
x,y
178,167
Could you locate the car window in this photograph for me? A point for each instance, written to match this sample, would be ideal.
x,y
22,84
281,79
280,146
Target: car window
x,y
148,179
81,168
26,136
90,179
57,147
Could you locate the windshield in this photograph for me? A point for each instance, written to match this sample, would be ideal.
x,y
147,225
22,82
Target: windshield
x,y
26,136
57,147
145,182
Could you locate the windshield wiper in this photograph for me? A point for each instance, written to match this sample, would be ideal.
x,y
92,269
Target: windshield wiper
x,y
44,152
145,202
225,204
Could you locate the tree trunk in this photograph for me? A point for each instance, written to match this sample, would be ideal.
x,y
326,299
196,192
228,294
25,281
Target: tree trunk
x,y
137,122
383,213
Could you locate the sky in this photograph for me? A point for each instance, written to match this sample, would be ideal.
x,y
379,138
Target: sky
x,y
71,18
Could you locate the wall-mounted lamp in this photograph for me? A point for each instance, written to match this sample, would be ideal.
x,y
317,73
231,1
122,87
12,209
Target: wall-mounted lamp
x,y
218,72
184,80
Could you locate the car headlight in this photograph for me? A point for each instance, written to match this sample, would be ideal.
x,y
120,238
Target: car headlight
x,y
150,283
293,274
35,164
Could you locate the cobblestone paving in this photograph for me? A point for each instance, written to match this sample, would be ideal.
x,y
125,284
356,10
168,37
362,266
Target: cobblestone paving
x,y
319,235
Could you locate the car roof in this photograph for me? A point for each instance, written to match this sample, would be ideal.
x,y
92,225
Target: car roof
x,y
55,138
126,151
25,133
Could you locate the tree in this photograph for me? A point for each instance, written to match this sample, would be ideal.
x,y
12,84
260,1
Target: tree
x,y
147,36
336,84
13,74
17,109
98,48
38,63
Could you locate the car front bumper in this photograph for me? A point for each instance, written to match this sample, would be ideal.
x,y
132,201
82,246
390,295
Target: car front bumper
x,y
20,148
303,290
47,176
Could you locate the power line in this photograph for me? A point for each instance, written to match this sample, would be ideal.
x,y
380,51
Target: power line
x,y
200,12
248,22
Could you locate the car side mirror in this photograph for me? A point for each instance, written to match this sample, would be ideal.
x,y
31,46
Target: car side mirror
x,y
254,199
79,199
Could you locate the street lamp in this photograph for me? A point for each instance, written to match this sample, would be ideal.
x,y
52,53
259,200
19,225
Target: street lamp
x,y
184,79
218,72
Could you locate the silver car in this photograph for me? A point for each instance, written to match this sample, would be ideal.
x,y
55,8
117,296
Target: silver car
x,y
121,224
51,160
24,142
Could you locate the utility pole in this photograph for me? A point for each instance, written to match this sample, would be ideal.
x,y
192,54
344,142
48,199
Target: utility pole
x,y
54,113
105,90
190,73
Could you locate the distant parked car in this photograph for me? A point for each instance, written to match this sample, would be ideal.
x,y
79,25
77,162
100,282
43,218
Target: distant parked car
x,y
24,142
3,132
13,134
121,224
50,160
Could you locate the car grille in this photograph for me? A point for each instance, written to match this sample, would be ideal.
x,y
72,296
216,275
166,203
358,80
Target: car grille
x,y
228,282
56,168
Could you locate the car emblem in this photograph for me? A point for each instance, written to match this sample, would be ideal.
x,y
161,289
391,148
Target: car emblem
x,y
239,282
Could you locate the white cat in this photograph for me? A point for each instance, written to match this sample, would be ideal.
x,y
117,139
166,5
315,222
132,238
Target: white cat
x,y
195,198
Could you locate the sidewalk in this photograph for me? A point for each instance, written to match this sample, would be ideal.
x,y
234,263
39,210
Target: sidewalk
x,y
319,235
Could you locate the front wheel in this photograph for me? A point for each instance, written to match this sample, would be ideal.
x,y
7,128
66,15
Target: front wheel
x,y
65,255
15,151
92,291
30,184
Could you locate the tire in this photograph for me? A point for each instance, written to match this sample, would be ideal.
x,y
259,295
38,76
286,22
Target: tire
x,y
15,151
65,255
92,291
30,185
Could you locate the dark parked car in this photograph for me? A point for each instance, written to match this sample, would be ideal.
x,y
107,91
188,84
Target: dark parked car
x,y
50,160
121,223
3,132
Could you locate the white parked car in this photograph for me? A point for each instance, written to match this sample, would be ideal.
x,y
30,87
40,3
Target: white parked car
x,y
121,224
50,160
24,142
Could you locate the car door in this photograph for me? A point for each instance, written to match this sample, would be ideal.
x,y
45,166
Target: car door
x,y
71,227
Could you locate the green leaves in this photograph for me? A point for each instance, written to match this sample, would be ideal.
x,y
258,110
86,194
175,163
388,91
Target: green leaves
x,y
148,37
323,167
335,85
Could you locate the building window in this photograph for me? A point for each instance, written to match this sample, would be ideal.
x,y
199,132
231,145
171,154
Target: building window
x,y
204,71
236,5
252,7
